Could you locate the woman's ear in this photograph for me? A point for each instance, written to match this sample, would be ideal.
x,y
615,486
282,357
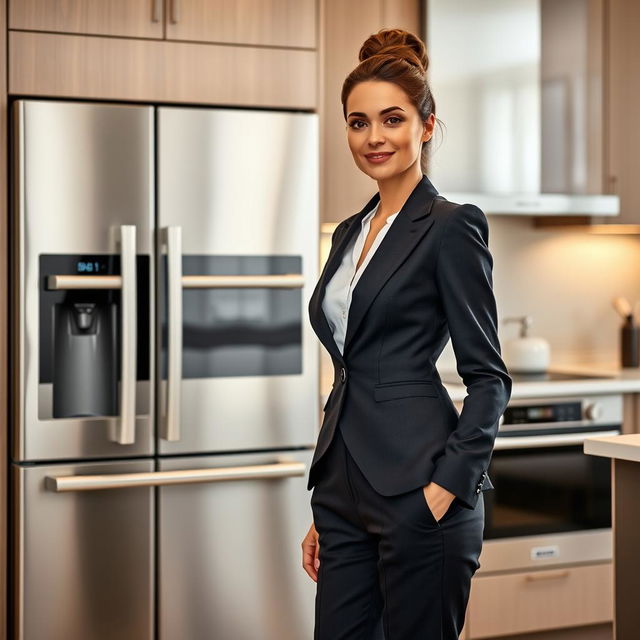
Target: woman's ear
x,y
427,128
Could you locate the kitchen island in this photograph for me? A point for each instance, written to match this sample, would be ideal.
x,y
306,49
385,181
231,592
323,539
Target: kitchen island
x,y
624,451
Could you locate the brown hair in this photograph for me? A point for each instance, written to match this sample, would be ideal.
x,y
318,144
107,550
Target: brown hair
x,y
398,56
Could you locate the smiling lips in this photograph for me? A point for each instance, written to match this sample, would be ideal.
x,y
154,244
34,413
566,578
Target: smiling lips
x,y
378,157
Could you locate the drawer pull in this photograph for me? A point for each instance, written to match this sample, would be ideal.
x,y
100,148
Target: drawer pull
x,y
547,575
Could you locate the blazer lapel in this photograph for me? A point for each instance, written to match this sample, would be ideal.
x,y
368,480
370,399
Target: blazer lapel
x,y
316,314
411,224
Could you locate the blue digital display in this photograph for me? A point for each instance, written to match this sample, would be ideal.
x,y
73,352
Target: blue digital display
x,y
89,266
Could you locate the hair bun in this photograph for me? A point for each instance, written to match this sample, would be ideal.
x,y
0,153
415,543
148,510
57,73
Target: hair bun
x,y
397,43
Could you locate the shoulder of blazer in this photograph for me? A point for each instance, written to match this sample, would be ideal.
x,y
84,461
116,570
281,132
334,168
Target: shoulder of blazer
x,y
444,210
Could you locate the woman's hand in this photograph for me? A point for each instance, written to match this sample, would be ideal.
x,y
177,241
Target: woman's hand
x,y
438,499
310,550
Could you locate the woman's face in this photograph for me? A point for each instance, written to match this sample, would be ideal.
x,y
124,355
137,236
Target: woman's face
x,y
381,119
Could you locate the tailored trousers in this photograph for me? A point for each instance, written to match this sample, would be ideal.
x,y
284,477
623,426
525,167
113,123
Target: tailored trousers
x,y
388,569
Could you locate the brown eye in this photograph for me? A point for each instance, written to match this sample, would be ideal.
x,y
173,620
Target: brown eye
x,y
353,123
396,118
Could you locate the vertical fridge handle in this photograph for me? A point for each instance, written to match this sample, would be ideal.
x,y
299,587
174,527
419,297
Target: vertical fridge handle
x,y
126,428
172,237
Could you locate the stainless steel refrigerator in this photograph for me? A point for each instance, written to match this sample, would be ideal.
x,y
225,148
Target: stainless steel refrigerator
x,y
165,377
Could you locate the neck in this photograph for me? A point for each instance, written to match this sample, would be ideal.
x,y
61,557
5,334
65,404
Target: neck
x,y
395,190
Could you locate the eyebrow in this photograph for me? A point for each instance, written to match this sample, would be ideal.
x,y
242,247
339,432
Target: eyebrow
x,y
364,115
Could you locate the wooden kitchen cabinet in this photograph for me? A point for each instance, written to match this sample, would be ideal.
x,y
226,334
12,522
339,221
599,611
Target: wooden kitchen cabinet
x,y
623,92
254,53
275,23
125,18
530,601
61,65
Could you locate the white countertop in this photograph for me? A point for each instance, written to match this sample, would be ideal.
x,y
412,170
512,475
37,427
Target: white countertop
x,y
613,380
625,446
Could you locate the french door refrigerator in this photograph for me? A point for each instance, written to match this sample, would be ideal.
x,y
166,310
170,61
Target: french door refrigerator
x,y
165,376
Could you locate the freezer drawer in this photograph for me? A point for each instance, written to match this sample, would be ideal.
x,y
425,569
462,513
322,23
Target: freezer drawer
x,y
83,560
229,552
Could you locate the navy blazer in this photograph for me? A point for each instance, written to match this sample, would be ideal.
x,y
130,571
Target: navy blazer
x,y
430,278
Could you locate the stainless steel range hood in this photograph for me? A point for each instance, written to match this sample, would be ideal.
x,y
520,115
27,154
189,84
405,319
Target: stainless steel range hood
x,y
519,87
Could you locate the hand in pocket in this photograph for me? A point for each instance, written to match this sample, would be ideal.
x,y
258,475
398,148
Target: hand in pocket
x,y
438,499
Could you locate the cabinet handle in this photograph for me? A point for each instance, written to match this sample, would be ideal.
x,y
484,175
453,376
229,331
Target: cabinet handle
x,y
175,11
547,575
155,12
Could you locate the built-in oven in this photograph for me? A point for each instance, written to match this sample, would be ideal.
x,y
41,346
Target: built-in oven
x,y
551,502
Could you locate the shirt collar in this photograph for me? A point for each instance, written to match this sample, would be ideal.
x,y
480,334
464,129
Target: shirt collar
x,y
371,213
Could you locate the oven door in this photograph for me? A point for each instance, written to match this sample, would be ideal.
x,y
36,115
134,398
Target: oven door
x,y
545,483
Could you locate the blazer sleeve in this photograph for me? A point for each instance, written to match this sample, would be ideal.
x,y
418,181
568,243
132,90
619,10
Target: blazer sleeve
x,y
464,280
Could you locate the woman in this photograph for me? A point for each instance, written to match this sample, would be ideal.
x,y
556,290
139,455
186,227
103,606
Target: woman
x,y
398,475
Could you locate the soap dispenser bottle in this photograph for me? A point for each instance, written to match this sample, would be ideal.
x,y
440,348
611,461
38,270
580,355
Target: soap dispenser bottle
x,y
526,354
629,331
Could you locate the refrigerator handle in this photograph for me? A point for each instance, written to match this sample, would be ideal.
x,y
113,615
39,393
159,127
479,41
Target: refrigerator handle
x,y
126,424
279,281
282,469
172,237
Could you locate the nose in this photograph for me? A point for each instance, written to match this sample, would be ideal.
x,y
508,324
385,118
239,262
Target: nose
x,y
376,134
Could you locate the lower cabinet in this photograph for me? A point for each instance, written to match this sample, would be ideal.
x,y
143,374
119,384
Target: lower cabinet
x,y
539,600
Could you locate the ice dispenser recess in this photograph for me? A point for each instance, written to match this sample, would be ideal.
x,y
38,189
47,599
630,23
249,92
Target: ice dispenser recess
x,y
80,332
84,359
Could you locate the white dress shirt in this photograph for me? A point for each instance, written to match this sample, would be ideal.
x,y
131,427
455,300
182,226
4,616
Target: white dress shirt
x,y
337,297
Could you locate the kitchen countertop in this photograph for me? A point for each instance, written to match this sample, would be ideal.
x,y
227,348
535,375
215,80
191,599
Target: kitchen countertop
x,y
625,446
613,380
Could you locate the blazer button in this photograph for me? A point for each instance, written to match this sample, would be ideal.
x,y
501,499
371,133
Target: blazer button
x,y
343,374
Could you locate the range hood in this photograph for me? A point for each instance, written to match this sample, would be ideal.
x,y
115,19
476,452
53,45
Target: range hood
x,y
519,88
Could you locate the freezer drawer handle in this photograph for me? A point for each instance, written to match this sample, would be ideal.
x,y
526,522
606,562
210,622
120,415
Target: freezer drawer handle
x,y
559,440
126,427
280,281
167,478
172,238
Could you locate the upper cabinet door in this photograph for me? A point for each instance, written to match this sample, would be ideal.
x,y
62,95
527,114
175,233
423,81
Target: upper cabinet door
x,y
127,18
278,23
623,107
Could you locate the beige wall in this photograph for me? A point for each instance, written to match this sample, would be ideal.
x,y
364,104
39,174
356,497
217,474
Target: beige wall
x,y
566,281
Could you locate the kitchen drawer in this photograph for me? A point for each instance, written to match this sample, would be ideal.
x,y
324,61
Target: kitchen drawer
x,y
538,600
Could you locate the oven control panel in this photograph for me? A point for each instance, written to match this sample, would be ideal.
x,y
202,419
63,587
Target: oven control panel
x,y
561,413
